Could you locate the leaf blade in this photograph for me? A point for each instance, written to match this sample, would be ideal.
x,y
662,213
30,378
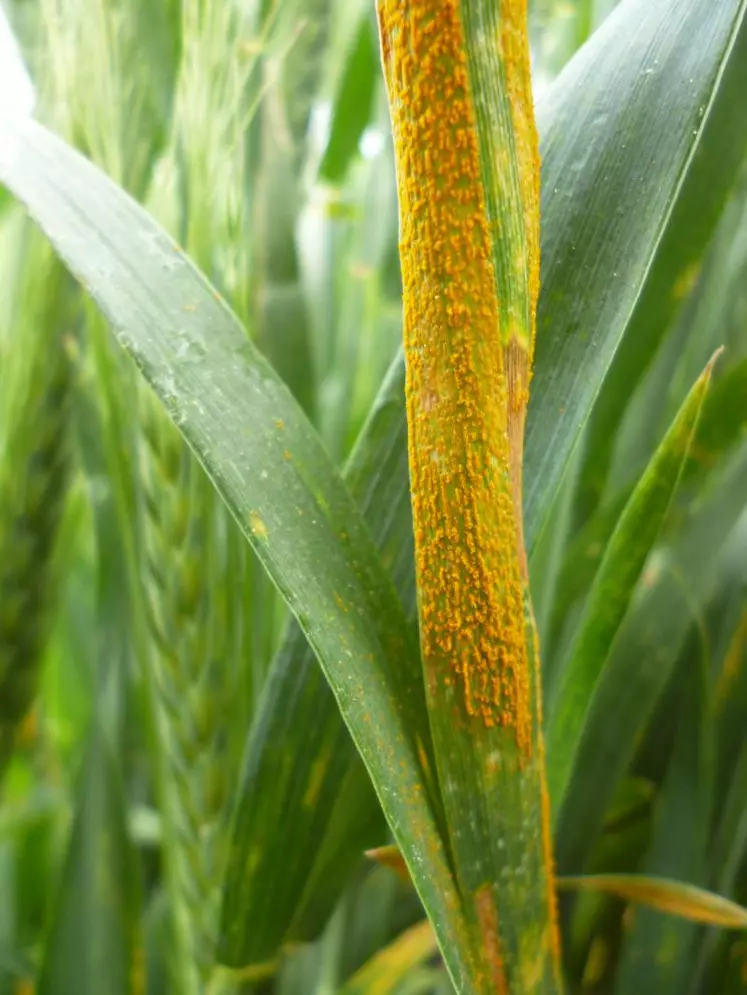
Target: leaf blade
x,y
592,282
643,658
665,895
625,555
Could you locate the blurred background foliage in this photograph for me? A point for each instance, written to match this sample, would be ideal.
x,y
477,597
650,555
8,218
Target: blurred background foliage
x,y
137,628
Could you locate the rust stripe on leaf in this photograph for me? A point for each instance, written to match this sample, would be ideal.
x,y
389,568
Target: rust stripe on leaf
x,y
547,843
464,481
487,916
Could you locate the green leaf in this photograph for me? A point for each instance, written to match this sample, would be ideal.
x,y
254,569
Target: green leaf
x,y
672,897
682,577
306,26
269,467
581,559
721,426
355,284
299,758
723,423
548,555
624,558
679,257
711,315
94,929
353,104
594,185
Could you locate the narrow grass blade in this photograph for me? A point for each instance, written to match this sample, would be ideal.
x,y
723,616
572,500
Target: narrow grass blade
x,y
353,106
306,24
721,426
708,317
548,554
270,469
664,895
358,325
723,423
93,934
624,558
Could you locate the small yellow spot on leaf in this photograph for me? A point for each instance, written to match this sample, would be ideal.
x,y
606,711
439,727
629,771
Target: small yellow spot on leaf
x,y
257,526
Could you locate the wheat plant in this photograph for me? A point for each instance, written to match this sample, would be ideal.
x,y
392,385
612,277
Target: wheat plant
x,y
372,498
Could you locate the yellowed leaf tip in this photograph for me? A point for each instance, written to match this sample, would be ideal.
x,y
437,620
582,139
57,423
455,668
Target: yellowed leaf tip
x,y
390,856
665,895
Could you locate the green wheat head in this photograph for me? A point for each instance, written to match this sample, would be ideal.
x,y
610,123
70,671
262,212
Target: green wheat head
x,y
192,645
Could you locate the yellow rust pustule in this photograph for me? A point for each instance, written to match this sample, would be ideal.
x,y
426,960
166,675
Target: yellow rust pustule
x,y
467,377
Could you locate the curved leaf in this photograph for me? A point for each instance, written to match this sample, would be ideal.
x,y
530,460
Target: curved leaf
x,y
673,897
592,282
269,467
299,758
679,258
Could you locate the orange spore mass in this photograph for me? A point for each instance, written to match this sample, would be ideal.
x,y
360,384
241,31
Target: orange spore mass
x,y
465,484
